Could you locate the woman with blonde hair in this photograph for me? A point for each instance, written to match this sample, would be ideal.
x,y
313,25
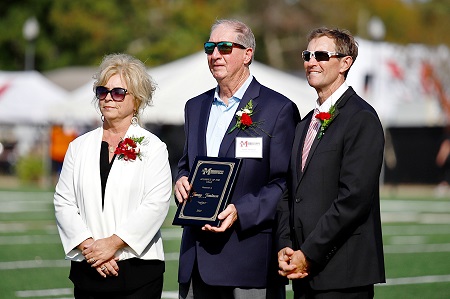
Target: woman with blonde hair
x,y
114,190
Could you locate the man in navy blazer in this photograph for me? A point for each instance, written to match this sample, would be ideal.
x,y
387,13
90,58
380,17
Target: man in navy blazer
x,y
330,229
238,259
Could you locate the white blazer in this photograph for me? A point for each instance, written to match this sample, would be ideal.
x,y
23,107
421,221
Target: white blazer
x,y
137,197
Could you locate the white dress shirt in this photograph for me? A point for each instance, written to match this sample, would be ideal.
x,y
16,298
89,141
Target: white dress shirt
x,y
325,107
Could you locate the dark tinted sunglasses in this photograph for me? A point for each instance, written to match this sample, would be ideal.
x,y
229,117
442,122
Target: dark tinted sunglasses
x,y
117,94
320,55
223,47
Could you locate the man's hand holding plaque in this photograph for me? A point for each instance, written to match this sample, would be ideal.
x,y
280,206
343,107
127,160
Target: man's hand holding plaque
x,y
182,189
227,217
204,196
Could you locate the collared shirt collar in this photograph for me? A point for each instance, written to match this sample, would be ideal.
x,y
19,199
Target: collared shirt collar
x,y
325,107
220,118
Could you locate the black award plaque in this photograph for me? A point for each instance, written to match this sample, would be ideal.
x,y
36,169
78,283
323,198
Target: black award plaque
x,y
212,180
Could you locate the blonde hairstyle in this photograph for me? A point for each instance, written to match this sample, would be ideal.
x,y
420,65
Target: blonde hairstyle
x,y
134,72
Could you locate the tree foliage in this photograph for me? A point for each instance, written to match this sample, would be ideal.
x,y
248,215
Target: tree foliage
x,y
158,31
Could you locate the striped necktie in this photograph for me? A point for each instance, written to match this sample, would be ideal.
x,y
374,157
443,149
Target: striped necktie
x,y
310,136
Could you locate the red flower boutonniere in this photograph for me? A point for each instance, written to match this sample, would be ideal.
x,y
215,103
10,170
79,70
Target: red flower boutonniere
x,y
325,119
244,119
129,148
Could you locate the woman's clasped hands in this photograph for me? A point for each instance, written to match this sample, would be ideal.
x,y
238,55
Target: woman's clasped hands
x,y
100,254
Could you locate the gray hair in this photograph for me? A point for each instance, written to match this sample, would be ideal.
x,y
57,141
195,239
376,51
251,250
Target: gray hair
x,y
244,35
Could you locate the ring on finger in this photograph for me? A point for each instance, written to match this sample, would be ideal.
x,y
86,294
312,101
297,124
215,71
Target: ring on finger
x,y
103,268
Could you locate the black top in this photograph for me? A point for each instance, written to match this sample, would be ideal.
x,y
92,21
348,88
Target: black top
x,y
105,167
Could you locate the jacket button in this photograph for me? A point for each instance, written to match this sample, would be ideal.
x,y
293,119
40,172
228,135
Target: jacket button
x,y
297,200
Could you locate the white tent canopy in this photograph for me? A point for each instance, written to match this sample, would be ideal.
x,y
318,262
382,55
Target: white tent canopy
x,y
388,76
391,78
79,109
26,97
185,78
180,80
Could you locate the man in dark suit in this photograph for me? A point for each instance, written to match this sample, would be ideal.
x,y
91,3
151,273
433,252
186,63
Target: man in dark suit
x,y
238,258
330,229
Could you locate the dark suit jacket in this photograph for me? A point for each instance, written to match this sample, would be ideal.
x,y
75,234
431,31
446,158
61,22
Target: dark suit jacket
x,y
240,256
332,209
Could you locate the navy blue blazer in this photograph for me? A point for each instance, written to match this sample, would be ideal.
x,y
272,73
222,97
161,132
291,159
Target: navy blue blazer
x,y
332,209
241,256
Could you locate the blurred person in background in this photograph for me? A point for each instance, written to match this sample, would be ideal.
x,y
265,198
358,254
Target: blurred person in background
x,y
114,191
443,162
60,138
238,258
330,232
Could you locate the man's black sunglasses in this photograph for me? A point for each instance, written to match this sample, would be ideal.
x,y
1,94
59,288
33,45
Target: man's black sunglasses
x,y
223,47
320,55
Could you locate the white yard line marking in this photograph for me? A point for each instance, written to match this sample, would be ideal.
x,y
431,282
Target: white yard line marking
x,y
169,295
414,230
415,206
403,240
59,292
417,248
34,239
44,293
171,256
416,280
34,264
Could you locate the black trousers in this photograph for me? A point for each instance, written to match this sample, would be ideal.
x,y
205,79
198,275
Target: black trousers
x,y
365,292
197,288
152,290
137,279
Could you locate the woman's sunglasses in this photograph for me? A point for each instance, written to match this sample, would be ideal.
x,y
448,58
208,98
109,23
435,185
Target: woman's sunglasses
x,y
223,47
320,55
117,94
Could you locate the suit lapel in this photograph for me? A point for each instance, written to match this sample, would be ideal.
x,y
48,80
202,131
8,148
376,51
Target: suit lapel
x,y
339,104
297,149
298,165
252,93
205,110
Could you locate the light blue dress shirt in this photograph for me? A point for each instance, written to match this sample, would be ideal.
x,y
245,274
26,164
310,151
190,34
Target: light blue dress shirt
x,y
220,117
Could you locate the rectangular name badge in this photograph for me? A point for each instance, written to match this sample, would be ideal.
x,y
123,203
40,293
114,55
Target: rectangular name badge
x,y
249,147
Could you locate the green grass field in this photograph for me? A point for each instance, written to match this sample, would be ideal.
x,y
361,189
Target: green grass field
x,y
416,232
